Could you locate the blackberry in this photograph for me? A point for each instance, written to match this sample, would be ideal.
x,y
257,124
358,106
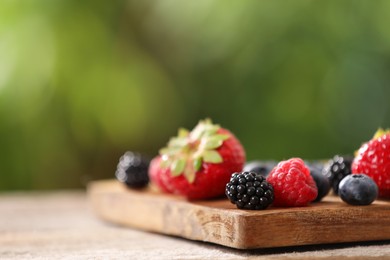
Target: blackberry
x,y
336,169
249,190
262,167
132,170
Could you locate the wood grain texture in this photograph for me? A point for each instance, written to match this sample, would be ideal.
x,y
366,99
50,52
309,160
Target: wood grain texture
x,y
218,221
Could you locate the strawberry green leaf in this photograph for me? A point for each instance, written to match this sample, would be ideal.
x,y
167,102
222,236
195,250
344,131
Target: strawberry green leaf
x,y
183,132
210,131
221,137
197,163
178,142
381,132
214,141
211,144
165,163
189,174
211,156
204,128
169,151
177,167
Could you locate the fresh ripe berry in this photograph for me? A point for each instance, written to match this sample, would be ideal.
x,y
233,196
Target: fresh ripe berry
x,y
373,159
132,170
198,164
293,184
336,169
322,182
358,189
155,173
261,167
249,190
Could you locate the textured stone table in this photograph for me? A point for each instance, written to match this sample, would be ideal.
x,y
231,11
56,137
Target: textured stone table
x,y
60,225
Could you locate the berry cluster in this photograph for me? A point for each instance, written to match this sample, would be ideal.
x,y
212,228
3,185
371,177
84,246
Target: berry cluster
x,y
353,188
198,164
289,183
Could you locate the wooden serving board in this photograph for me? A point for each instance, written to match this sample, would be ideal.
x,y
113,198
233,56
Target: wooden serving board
x,y
220,222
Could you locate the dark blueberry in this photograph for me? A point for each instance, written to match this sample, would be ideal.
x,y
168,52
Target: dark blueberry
x,y
261,167
251,191
132,170
358,189
322,183
336,169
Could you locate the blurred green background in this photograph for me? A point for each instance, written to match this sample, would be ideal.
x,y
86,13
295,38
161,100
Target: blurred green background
x,y
81,82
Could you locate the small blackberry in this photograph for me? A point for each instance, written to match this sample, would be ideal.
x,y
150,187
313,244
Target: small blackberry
x,y
336,169
132,170
249,190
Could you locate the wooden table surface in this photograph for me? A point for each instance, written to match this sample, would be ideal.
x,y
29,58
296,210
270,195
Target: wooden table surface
x,y
61,225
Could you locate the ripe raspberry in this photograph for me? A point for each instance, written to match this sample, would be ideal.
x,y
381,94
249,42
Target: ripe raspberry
x,y
293,184
373,159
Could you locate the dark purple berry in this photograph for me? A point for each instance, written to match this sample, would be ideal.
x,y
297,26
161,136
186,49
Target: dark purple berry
x,y
132,170
321,181
336,169
358,189
249,190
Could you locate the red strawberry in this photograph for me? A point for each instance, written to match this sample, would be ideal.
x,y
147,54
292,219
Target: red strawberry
x,y
198,164
293,184
155,173
373,159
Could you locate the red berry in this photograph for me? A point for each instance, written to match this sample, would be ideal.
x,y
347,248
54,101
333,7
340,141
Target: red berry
x,y
155,173
293,184
373,159
198,164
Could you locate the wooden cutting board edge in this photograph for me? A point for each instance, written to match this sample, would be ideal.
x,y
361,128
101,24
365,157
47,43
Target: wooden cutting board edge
x,y
218,221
